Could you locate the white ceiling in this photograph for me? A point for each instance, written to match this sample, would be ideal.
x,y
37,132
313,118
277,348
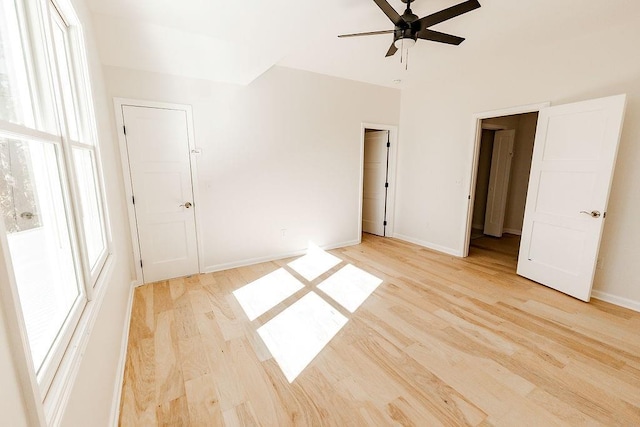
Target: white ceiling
x,y
237,41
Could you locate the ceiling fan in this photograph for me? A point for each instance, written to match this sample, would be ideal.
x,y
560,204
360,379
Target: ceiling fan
x,y
409,28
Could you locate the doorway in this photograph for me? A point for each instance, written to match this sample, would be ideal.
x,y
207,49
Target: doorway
x,y
485,125
378,148
566,199
157,149
503,167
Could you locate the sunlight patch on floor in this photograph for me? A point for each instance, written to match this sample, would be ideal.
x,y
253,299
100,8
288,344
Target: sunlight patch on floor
x,y
350,286
315,263
260,296
296,336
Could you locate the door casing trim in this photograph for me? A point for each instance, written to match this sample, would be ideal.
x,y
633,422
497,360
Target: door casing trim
x,y
474,154
126,174
393,151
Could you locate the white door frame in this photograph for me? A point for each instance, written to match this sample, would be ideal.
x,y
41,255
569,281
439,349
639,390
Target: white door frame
x,y
393,150
474,154
126,173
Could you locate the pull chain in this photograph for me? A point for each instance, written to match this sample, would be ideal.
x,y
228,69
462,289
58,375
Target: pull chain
x,y
406,62
404,55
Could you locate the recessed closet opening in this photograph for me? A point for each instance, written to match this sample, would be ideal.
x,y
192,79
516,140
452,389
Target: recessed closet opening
x,y
503,167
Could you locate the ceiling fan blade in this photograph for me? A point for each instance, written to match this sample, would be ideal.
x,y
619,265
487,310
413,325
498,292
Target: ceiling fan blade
x,y
370,33
392,50
390,12
436,36
448,13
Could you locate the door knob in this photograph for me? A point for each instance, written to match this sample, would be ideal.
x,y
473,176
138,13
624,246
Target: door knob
x,y
186,205
593,214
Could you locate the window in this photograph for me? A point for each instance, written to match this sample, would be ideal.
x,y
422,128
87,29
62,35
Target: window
x,y
51,202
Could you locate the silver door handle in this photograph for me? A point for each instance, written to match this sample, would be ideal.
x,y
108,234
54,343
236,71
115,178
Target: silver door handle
x,y
593,214
186,205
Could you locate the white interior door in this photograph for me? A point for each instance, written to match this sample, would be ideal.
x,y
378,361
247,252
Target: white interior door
x,y
159,161
571,171
374,192
499,182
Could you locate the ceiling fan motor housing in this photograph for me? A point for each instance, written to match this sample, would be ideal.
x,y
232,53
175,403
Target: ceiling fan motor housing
x,y
406,33
409,30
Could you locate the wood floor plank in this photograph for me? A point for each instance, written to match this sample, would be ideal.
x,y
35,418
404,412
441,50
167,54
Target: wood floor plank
x,y
139,394
203,401
241,416
229,389
441,341
173,412
162,300
168,379
315,383
447,405
562,410
193,358
142,313
259,390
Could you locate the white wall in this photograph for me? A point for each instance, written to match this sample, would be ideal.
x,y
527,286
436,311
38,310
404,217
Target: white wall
x,y
12,406
436,140
280,153
520,169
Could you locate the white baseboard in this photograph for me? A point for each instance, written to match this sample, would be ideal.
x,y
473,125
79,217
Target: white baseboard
x,y
428,245
512,231
616,300
515,231
117,392
252,261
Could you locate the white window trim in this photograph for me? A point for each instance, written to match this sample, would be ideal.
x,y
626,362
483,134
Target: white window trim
x,y
60,390
17,332
50,409
64,13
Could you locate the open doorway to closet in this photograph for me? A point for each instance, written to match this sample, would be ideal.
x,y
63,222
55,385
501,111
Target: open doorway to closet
x,y
503,167
565,201
378,179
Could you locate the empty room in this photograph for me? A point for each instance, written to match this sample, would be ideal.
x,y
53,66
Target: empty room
x,y
340,213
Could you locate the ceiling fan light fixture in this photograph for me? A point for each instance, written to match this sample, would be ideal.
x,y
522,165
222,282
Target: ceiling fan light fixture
x,y
408,27
404,43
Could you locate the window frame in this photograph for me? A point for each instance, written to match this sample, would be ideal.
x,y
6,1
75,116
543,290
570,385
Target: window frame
x,y
50,384
79,79
46,372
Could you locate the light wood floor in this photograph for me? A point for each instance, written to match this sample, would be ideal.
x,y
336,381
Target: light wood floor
x,y
442,341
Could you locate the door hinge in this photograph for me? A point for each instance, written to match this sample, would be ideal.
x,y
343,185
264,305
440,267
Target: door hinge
x,y
133,199
604,215
385,223
386,185
140,263
469,197
388,144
